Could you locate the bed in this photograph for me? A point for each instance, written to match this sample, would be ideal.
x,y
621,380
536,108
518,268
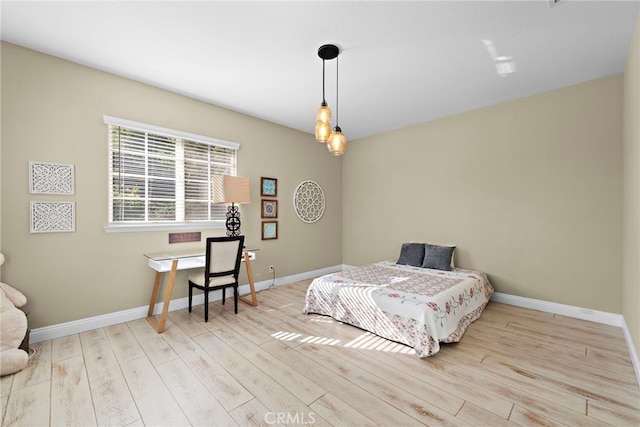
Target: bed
x,y
413,305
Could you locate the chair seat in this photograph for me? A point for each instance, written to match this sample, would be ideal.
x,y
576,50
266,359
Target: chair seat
x,y
198,279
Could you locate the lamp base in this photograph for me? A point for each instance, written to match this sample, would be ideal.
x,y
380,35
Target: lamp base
x,y
233,221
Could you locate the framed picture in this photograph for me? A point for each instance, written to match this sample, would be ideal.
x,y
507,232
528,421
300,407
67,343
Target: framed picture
x,y
268,187
269,230
269,208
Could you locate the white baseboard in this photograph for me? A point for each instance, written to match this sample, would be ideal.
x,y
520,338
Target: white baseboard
x,y
560,309
83,325
632,350
578,313
90,323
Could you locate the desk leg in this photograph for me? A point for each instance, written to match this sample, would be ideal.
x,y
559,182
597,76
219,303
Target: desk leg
x,y
159,325
254,297
154,294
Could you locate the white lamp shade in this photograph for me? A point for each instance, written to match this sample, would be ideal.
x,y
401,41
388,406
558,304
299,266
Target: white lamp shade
x,y
230,189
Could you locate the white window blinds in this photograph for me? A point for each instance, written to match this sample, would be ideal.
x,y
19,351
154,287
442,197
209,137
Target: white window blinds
x,y
163,176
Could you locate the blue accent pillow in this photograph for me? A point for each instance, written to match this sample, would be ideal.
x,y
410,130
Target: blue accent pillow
x,y
411,254
438,257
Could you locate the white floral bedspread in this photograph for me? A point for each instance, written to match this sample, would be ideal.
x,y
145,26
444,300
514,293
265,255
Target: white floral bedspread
x,y
419,307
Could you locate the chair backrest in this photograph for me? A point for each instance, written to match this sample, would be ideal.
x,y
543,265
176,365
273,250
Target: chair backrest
x,y
224,255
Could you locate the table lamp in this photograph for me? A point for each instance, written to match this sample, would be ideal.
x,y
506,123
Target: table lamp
x,y
234,190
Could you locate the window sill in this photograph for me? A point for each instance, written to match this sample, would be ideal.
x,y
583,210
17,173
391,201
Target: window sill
x,y
174,226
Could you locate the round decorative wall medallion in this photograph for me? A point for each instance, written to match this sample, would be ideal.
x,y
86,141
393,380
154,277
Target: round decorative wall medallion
x,y
308,201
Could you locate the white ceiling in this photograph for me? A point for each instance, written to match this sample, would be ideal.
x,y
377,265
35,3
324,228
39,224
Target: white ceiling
x,y
401,62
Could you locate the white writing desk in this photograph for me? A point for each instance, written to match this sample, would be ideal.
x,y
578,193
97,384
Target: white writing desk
x,y
170,262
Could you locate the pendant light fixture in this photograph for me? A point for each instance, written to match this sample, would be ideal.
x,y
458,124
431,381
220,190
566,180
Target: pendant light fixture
x,y
337,142
323,117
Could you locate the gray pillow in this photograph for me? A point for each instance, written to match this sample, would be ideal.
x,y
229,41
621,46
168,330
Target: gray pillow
x,y
437,257
411,254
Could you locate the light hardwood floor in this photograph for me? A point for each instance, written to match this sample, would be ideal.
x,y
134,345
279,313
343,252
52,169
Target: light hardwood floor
x,y
272,365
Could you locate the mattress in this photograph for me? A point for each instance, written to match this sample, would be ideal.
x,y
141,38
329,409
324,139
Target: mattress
x,y
419,307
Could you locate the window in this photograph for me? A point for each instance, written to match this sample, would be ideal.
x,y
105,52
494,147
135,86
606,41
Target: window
x,y
161,178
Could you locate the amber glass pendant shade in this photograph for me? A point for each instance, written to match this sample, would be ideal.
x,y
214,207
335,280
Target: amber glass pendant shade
x,y
323,130
324,113
323,123
337,142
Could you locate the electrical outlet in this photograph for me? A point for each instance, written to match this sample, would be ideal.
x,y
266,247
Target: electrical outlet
x,y
271,269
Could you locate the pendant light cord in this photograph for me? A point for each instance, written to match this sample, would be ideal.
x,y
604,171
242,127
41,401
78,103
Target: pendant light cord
x,y
337,103
323,99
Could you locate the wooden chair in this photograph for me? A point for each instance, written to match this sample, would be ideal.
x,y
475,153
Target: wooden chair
x,y
222,267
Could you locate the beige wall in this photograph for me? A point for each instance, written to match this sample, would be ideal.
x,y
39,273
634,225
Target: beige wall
x,y
52,111
529,191
631,193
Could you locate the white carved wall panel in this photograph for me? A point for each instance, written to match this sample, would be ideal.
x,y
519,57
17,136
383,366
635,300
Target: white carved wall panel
x,y
53,217
51,178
